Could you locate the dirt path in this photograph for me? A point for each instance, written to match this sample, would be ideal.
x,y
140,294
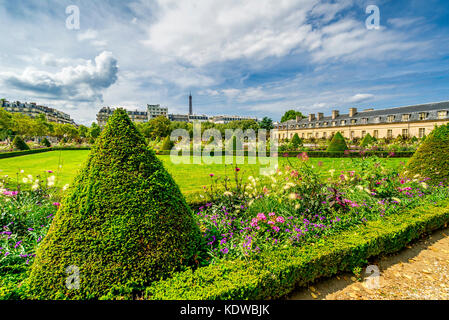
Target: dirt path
x,y
420,271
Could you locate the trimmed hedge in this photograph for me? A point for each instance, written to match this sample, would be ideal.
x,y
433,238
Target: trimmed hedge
x,y
19,144
277,273
431,160
123,222
327,154
4,155
337,144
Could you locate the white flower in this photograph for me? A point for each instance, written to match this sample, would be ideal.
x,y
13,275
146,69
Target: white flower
x,y
34,187
332,172
65,187
21,171
292,196
227,193
25,180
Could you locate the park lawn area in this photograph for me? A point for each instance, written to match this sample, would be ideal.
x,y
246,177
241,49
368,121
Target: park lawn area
x,y
190,177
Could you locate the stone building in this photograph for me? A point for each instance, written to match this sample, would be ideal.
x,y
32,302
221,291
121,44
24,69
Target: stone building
x,y
32,109
135,116
409,121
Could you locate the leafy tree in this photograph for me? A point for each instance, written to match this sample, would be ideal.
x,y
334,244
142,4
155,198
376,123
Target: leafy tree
x,y
266,123
124,222
160,127
291,115
83,131
95,131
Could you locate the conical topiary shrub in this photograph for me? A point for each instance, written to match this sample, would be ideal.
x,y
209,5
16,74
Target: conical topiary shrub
x,y
366,141
123,223
167,144
19,144
431,160
337,144
296,141
46,143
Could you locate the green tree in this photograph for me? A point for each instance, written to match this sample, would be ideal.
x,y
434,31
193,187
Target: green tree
x,y
95,131
124,222
160,127
291,115
266,123
83,131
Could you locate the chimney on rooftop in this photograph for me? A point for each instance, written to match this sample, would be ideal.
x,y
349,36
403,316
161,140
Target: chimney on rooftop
x,y
320,116
335,114
352,111
298,118
311,116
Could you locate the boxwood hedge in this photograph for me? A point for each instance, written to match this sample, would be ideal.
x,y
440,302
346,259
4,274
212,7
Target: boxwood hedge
x,y
123,223
275,274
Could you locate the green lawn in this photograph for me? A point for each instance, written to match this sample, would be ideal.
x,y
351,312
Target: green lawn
x,y
190,177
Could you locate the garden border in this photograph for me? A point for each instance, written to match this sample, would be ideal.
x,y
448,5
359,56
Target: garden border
x,y
12,154
277,273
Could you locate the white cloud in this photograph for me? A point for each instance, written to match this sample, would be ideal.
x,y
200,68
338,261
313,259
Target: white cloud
x,y
83,82
360,97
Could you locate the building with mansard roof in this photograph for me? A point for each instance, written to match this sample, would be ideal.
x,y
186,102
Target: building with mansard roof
x,y
408,121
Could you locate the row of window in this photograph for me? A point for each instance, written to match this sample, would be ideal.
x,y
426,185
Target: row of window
x,y
390,118
405,133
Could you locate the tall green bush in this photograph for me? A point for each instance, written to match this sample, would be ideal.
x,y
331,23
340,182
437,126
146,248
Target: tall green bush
x,y
46,143
337,144
123,223
431,159
366,141
167,144
19,144
296,141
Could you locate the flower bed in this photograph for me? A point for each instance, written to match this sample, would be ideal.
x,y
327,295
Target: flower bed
x,y
275,274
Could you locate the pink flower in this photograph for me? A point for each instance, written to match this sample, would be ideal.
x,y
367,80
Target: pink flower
x,y
271,214
276,228
304,157
237,169
280,219
211,175
57,204
261,216
402,181
49,171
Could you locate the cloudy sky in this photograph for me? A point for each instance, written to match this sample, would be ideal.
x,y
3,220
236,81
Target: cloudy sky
x,y
252,57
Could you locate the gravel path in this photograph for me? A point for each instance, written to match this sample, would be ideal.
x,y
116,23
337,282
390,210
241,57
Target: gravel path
x,y
420,271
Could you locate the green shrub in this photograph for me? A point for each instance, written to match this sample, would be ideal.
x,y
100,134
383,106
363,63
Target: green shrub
x,y
296,141
167,144
123,222
275,274
337,144
431,160
46,143
19,144
367,140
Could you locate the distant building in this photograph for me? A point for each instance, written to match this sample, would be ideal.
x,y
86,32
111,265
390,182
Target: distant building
x,y
155,110
190,117
33,110
227,119
417,120
135,116
178,117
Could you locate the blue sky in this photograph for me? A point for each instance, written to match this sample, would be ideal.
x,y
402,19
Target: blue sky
x,y
253,57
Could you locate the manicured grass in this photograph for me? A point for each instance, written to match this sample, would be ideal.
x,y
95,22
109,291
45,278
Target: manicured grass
x,y
190,177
